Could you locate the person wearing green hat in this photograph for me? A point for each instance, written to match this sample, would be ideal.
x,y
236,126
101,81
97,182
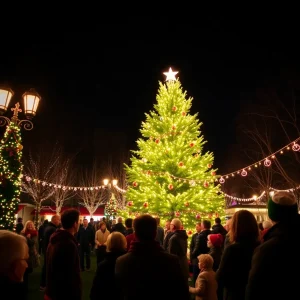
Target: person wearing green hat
x,y
276,261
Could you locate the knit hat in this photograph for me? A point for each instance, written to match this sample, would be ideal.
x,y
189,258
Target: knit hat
x,y
282,206
216,239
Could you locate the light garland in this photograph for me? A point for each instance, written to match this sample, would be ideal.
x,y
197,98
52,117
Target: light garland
x,y
267,161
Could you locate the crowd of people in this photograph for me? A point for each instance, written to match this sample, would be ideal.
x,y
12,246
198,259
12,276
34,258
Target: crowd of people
x,y
143,260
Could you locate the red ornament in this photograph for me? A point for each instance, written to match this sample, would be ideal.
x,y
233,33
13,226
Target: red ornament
x,y
180,164
177,214
135,184
192,145
217,215
210,216
157,141
174,108
170,186
149,172
198,217
209,166
130,203
206,184
186,204
145,204
11,153
173,127
196,155
213,173
183,113
190,232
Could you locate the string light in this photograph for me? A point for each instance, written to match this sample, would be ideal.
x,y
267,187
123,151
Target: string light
x,y
267,161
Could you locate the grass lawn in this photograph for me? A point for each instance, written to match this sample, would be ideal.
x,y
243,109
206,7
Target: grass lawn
x,y
87,280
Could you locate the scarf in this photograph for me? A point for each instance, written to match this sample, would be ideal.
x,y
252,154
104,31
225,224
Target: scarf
x,y
32,233
145,246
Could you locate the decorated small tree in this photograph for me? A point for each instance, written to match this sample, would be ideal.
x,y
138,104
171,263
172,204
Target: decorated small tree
x,y
170,174
10,174
111,207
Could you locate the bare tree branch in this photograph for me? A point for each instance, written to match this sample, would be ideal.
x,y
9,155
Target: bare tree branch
x,y
40,168
92,193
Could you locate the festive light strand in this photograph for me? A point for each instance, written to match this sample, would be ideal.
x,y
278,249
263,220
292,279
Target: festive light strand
x,y
267,161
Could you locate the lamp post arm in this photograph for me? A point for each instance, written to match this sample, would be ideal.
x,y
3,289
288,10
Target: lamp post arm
x,y
4,121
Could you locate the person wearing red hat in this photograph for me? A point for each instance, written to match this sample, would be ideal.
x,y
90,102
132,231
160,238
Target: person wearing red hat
x,y
215,245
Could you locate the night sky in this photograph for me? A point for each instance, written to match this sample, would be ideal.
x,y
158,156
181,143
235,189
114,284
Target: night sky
x,y
96,83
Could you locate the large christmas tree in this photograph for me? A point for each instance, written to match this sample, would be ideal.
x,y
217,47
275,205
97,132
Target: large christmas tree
x,y
10,175
170,175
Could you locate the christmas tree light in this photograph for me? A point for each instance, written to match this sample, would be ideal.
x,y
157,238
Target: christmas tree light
x,y
10,175
170,175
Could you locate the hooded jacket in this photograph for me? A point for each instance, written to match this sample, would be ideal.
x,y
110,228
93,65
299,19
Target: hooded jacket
x,y
63,269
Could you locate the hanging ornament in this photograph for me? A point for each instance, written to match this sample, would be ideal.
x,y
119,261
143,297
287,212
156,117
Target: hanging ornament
x,y
145,204
210,216
135,184
180,164
206,184
170,186
222,180
244,173
267,162
186,204
157,141
217,215
190,232
296,147
174,108
213,173
144,160
209,166
198,216
20,147
192,145
173,127
161,118
177,214
183,113
130,203
149,172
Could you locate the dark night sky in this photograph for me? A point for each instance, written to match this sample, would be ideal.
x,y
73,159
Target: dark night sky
x,y
97,82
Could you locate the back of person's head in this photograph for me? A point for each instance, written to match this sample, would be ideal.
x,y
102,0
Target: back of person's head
x,y
13,250
19,220
282,207
69,217
206,224
116,242
218,220
176,223
128,223
157,221
244,227
206,261
119,220
267,224
145,228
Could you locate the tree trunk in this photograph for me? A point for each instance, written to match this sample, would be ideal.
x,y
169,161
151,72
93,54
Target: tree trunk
x,y
58,210
37,214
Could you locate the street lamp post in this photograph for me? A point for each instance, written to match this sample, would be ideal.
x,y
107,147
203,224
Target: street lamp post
x,y
11,152
31,101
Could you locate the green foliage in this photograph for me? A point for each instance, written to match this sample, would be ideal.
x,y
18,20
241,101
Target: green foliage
x,y
10,175
170,174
